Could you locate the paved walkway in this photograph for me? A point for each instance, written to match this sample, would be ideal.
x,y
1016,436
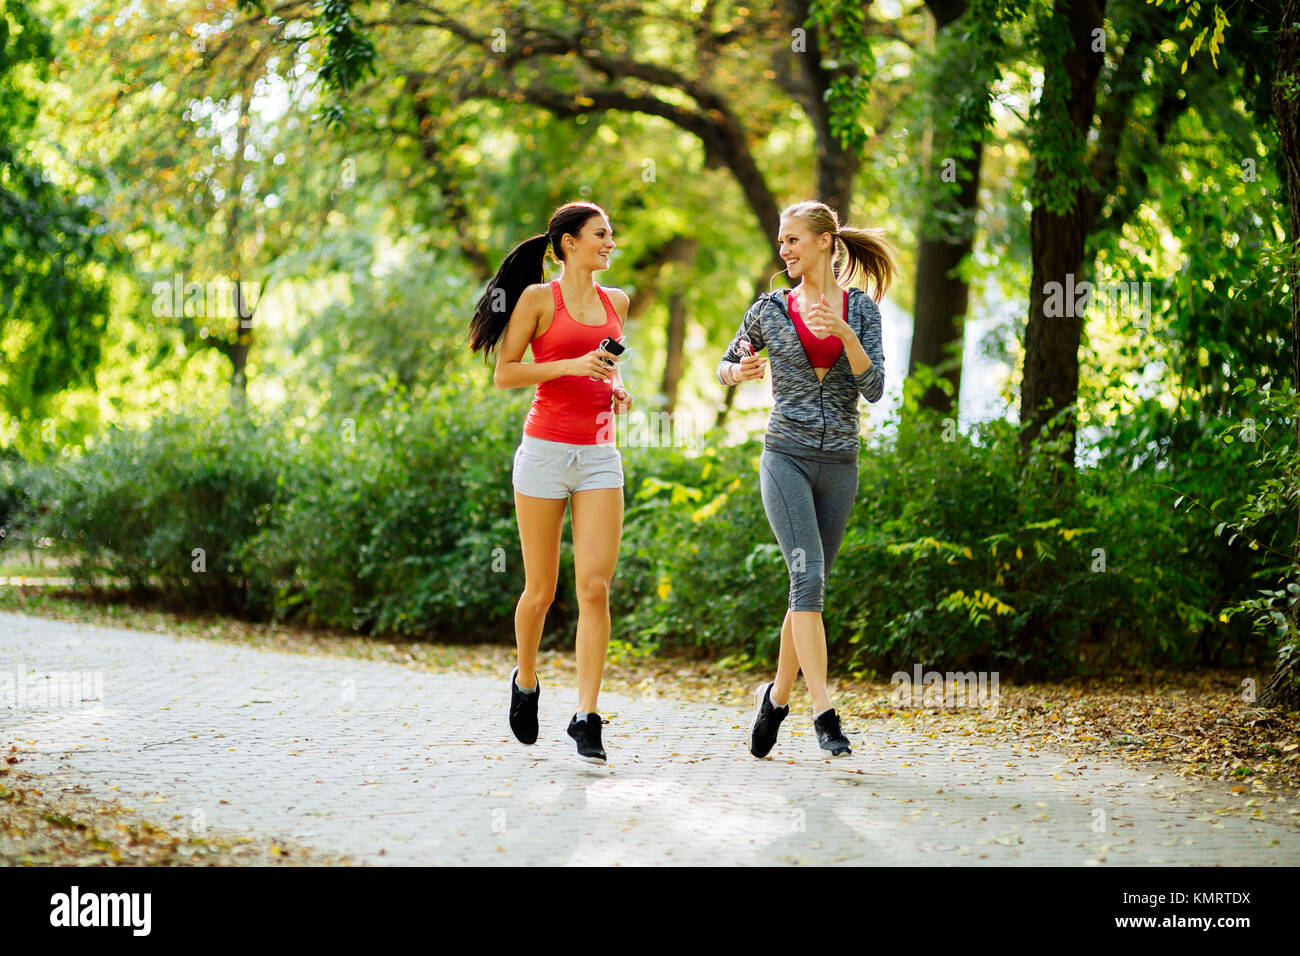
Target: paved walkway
x,y
392,765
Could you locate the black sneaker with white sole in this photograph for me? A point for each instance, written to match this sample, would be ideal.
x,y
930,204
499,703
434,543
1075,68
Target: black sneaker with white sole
x,y
767,721
523,710
829,736
586,734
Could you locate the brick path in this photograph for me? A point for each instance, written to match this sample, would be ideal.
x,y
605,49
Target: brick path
x,y
392,765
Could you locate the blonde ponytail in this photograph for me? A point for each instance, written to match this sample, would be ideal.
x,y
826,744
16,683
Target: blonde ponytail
x,y
870,257
869,254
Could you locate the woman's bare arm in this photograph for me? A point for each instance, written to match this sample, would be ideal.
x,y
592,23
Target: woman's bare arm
x,y
513,372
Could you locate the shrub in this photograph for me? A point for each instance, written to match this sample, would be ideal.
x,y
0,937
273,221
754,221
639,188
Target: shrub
x,y
167,507
959,553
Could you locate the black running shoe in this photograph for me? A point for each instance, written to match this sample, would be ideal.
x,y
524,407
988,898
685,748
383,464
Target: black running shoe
x,y
767,721
523,710
586,733
829,736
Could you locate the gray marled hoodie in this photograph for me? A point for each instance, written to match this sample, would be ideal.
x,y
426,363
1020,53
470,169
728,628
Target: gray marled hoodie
x,y
819,415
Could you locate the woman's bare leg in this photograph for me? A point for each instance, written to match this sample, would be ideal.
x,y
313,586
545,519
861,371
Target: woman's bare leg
x,y
597,528
540,521
809,634
787,665
803,647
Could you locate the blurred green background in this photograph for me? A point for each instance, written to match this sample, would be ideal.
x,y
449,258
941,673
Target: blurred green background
x,y
240,244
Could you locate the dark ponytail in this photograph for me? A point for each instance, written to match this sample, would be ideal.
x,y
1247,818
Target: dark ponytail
x,y
524,266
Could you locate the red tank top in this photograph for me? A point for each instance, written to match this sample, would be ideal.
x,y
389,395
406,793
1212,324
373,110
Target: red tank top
x,y
821,352
573,408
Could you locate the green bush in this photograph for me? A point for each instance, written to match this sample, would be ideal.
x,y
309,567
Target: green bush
x,y
957,553
406,526
167,508
698,565
955,556
12,496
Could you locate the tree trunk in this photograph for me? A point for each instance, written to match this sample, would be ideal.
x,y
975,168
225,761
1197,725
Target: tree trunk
x,y
728,400
240,347
241,342
938,325
836,166
444,180
1051,372
670,260
1283,688
676,347
678,269
942,297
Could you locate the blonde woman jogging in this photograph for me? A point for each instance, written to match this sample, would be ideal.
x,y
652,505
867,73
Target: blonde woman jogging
x,y
823,340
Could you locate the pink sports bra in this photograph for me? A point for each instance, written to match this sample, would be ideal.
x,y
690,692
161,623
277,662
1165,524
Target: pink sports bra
x,y
821,352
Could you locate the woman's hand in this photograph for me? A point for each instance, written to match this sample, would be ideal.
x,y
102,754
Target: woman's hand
x,y
597,365
749,367
622,400
822,321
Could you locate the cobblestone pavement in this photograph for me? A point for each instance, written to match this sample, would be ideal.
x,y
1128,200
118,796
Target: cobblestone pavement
x,y
392,765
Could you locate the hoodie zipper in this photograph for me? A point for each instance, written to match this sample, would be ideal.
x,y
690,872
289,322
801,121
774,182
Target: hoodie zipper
x,y
821,395
848,312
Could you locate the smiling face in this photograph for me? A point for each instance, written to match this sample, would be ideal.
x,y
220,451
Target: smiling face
x,y
802,251
591,248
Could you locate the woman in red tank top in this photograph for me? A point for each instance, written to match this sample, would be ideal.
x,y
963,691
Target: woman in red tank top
x,y
567,453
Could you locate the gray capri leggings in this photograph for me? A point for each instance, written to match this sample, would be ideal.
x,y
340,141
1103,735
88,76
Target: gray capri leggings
x,y
807,500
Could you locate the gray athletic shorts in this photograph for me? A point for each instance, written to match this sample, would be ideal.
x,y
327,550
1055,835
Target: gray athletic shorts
x,y
555,469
